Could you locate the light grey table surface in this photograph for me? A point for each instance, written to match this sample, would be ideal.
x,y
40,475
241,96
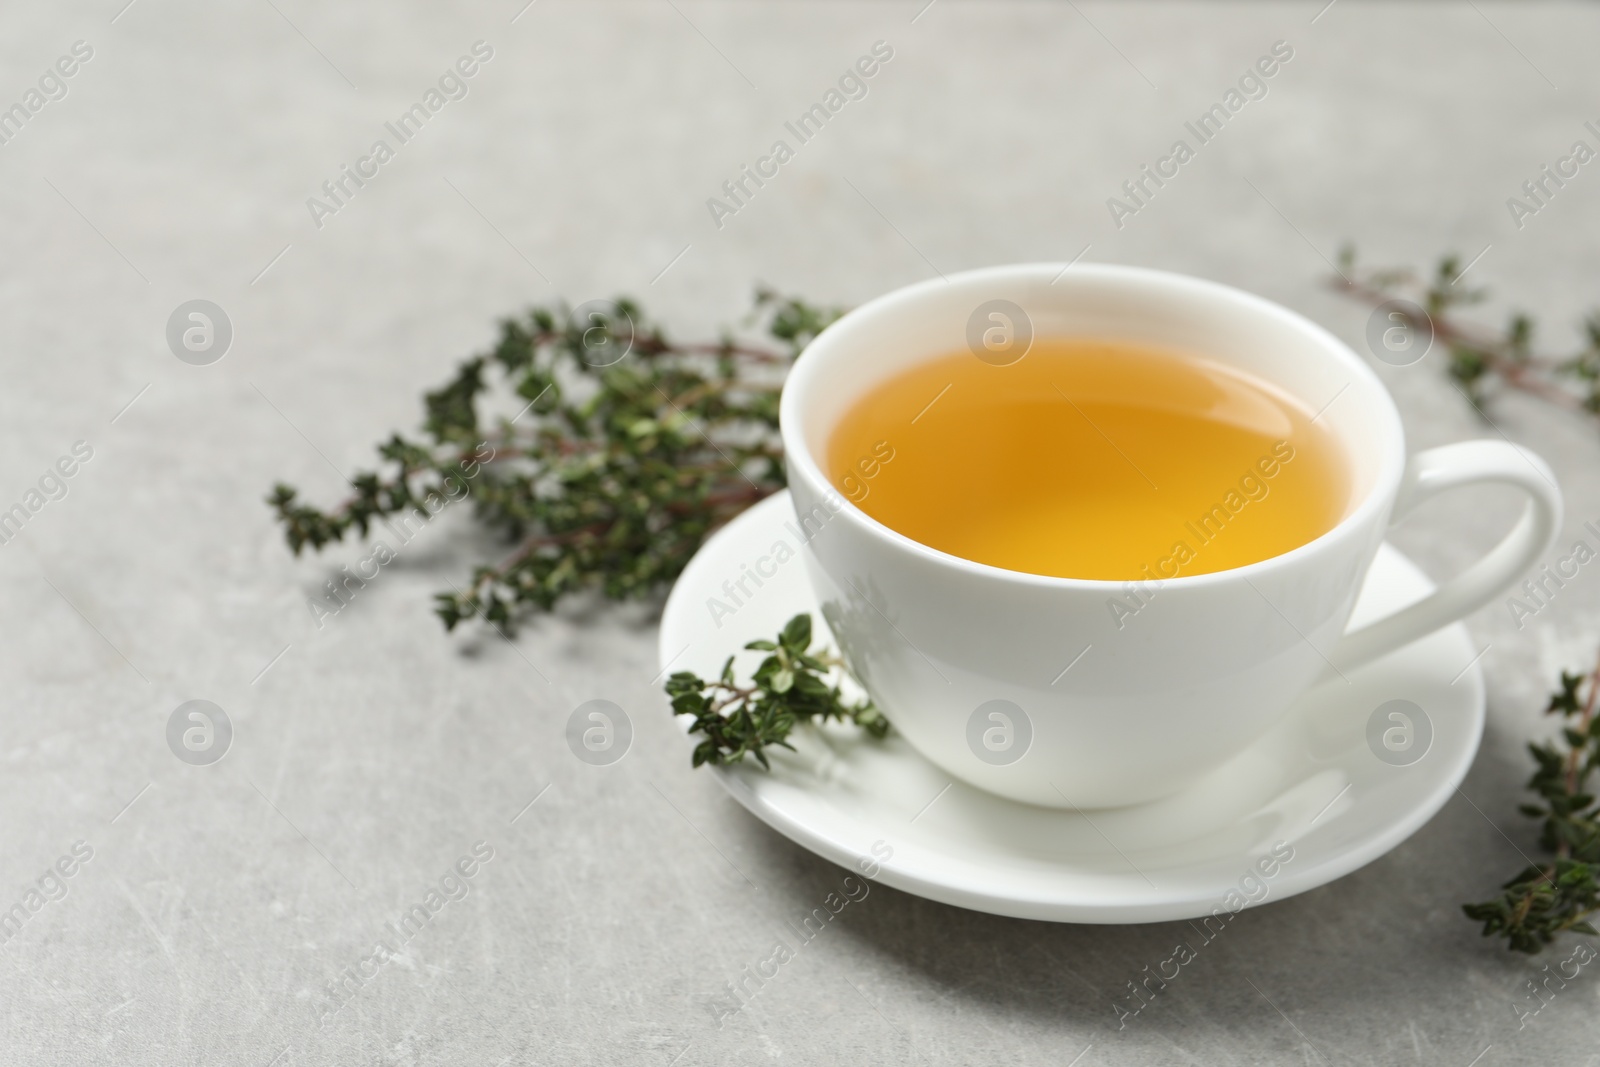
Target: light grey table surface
x,y
221,901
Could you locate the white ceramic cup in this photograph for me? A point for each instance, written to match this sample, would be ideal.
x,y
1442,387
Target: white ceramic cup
x,y
984,670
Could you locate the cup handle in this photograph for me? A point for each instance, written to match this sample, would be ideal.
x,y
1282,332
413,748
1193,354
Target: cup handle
x,y
1430,473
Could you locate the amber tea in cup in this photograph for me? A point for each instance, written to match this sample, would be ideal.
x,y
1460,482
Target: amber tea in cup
x,y
1091,459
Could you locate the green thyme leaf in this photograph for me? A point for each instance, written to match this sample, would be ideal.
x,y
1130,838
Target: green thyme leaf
x,y
793,685
1482,361
1545,900
622,458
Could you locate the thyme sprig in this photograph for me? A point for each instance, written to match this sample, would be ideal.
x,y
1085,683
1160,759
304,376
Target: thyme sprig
x,y
628,450
1482,361
1561,893
791,686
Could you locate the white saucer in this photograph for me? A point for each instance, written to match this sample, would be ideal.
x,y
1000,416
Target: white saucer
x,y
1313,781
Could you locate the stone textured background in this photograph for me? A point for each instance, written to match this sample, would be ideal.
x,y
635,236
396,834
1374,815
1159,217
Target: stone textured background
x,y
376,750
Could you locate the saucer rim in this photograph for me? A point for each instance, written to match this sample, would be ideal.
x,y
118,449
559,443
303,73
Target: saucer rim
x,y
1172,904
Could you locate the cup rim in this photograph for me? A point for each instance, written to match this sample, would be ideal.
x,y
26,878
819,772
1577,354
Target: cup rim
x,y
799,459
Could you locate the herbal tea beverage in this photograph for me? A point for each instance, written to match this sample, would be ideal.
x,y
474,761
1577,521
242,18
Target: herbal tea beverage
x,y
1095,456
1091,459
